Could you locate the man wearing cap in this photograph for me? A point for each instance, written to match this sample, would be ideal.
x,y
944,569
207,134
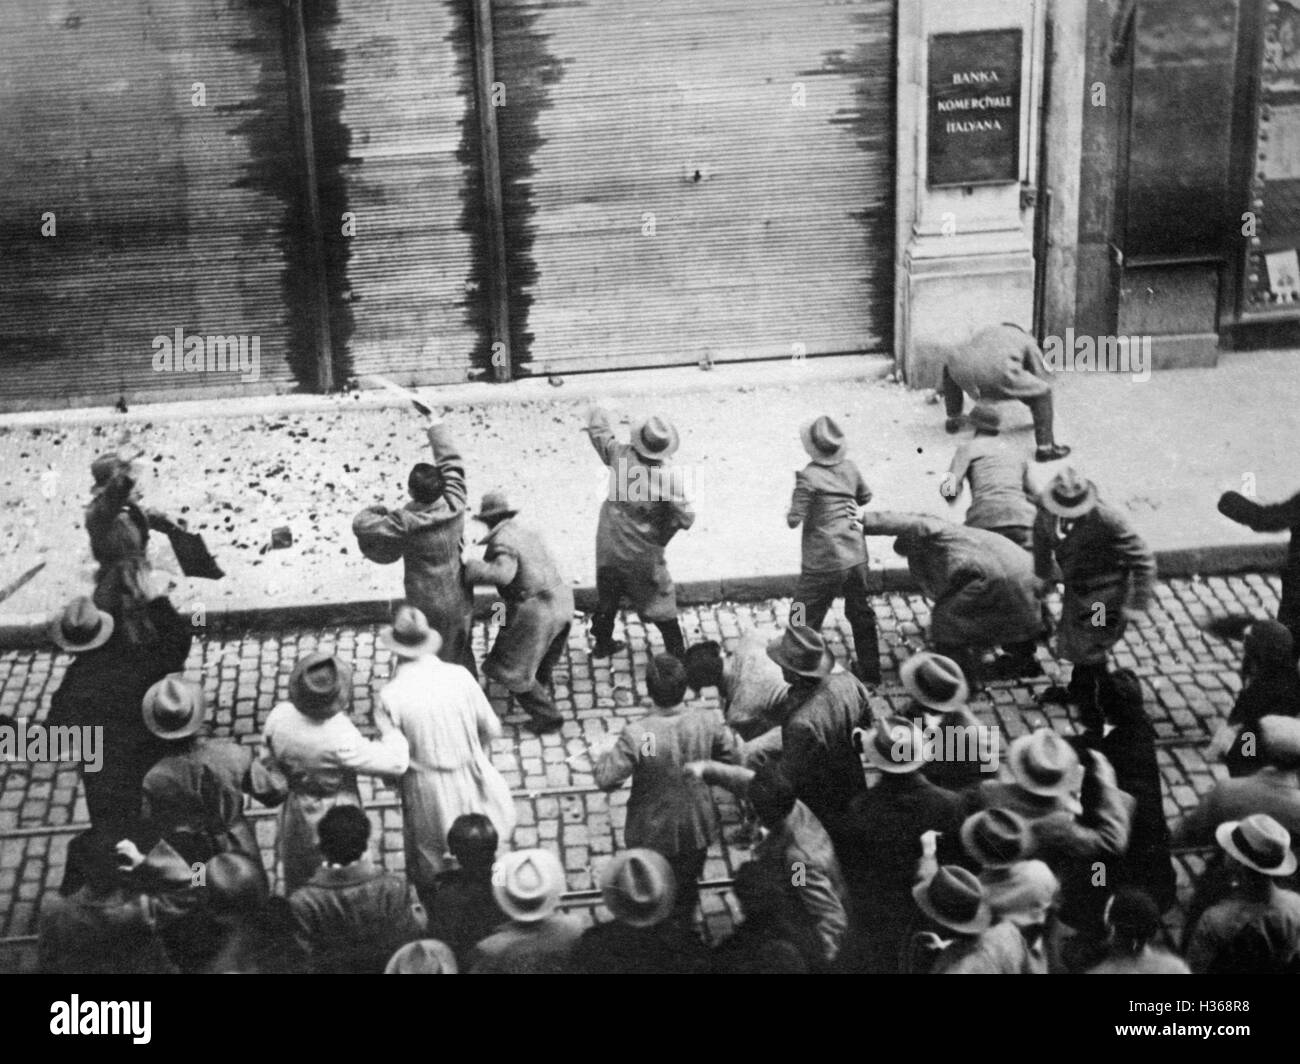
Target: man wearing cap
x,y
350,916
448,726
824,708
880,846
539,609
429,534
827,494
968,940
1274,517
645,506
1002,362
670,811
1000,500
939,694
313,742
1107,570
981,585
1256,929
538,940
104,687
639,891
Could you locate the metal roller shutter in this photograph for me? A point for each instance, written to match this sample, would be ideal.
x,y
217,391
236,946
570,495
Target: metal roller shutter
x,y
168,215
772,223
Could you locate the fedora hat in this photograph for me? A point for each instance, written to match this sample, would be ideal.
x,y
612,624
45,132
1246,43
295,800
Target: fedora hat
x,y
409,636
880,745
823,440
954,898
494,507
105,467
655,438
81,626
173,708
1279,740
639,888
1258,842
527,884
1043,763
426,956
1069,494
935,681
802,651
986,417
996,837
320,685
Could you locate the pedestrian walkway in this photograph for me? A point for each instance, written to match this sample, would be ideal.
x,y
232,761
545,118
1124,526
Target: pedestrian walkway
x,y
1190,680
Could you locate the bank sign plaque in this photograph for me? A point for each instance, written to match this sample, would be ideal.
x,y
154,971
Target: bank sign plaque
x,y
974,104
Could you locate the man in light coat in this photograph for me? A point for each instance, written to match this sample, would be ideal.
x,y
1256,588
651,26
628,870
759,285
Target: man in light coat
x,y
645,506
539,609
429,533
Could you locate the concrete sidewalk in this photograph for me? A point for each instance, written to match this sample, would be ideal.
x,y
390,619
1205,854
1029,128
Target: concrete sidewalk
x,y
1162,449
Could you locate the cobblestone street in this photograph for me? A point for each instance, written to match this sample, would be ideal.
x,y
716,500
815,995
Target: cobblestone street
x,y
1190,681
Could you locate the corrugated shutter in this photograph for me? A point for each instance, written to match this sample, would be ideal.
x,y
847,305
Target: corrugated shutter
x,y
772,222
168,214
406,85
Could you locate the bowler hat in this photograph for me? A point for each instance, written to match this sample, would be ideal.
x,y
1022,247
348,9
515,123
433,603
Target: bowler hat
x,y
1069,494
527,884
639,888
81,626
996,837
494,508
655,438
409,636
935,681
425,956
882,744
823,440
1258,842
173,708
802,651
986,417
320,685
1043,763
954,898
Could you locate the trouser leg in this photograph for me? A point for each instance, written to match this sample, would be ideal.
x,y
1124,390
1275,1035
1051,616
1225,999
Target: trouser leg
x,y
674,641
552,655
813,597
953,397
687,869
609,592
1041,408
862,622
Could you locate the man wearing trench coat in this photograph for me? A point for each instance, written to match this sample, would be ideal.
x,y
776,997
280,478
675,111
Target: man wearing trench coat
x,y
539,609
429,534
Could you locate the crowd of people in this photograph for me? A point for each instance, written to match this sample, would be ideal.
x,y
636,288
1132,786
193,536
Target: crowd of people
x,y
883,842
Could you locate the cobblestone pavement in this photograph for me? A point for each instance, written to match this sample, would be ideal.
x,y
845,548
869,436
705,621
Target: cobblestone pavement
x,y
1190,680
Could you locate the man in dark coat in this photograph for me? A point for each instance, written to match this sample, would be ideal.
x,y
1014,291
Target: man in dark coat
x,y
1274,517
833,558
539,609
982,588
644,508
1270,687
464,910
429,533
1002,362
104,687
819,753
880,846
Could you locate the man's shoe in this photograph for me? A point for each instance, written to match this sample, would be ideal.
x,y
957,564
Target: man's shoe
x,y
952,425
604,650
540,725
1054,695
1051,454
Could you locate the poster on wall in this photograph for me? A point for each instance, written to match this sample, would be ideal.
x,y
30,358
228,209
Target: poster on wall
x,y
974,108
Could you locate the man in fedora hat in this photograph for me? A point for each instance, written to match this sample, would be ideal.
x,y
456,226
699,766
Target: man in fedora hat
x,y
538,939
967,937
426,956
449,726
1002,362
981,585
429,534
1107,570
939,694
1274,517
313,742
104,687
824,708
1256,929
639,890
646,505
827,494
350,916
879,846
539,609
1000,499
670,811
